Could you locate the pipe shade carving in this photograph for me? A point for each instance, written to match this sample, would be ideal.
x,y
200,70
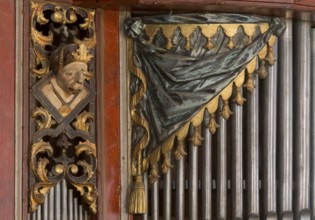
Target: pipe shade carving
x,y
181,65
62,102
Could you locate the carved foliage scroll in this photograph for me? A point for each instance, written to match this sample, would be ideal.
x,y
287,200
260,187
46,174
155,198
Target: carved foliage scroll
x,y
62,101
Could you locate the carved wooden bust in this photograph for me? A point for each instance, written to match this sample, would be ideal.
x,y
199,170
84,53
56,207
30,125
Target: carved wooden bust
x,y
66,89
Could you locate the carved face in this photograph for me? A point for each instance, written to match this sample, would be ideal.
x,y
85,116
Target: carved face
x,y
72,76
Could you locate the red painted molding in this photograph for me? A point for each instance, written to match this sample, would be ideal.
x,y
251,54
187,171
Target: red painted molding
x,y
7,79
241,6
111,136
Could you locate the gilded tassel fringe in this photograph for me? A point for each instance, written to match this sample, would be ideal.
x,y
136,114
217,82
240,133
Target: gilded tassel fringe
x,y
180,151
239,99
226,111
262,71
154,174
166,165
213,124
270,58
196,138
250,85
137,204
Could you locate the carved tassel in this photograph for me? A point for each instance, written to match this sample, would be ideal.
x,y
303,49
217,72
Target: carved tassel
x,y
270,56
196,138
138,204
180,151
226,111
239,99
262,71
166,165
250,85
154,175
213,124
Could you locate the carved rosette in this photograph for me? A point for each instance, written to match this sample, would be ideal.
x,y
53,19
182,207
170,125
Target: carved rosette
x,y
62,129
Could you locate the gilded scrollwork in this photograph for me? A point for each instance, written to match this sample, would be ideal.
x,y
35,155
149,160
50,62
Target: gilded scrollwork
x,y
82,121
62,102
43,118
58,24
40,162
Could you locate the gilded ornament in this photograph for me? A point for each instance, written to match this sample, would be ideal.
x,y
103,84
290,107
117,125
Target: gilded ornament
x,y
82,121
249,30
43,118
262,70
40,39
166,164
72,17
58,16
88,21
213,124
226,111
154,174
239,99
37,12
196,138
137,197
180,150
249,85
270,57
82,54
39,168
58,99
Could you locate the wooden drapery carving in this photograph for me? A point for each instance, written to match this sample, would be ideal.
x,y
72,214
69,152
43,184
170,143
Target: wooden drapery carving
x,y
181,65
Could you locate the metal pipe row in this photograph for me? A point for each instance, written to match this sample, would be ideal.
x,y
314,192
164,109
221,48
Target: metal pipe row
x,y
61,204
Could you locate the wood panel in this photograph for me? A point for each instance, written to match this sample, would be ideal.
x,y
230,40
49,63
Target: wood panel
x,y
245,6
111,127
7,79
305,2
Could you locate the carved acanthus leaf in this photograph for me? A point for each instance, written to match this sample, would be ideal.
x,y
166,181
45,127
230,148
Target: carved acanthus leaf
x,y
43,118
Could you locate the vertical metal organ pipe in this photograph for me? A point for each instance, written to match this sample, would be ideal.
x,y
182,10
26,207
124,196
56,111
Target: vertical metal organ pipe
x,y
269,114
180,190
285,122
145,180
64,192
193,180
51,204
302,118
252,183
155,200
206,170
313,125
221,168
167,186
237,162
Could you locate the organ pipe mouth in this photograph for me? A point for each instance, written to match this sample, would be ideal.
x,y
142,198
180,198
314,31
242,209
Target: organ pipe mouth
x,y
305,214
253,217
287,215
271,216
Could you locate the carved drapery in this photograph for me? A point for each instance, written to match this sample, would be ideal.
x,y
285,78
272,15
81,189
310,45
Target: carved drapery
x,y
62,101
181,66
